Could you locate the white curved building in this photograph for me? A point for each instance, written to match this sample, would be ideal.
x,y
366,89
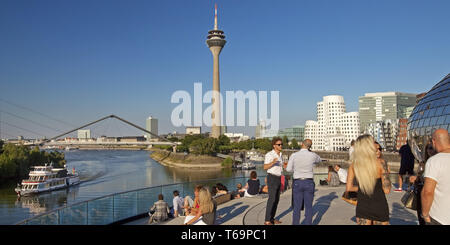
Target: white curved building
x,y
334,128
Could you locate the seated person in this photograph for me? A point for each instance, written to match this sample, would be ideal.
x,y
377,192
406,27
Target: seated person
x,y
239,192
252,186
159,211
221,189
177,204
191,206
333,178
342,173
206,214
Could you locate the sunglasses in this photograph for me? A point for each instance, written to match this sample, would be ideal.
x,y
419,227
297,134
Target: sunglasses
x,y
279,144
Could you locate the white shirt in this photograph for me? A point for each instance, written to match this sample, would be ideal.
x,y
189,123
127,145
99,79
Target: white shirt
x,y
277,168
302,163
342,175
178,203
438,169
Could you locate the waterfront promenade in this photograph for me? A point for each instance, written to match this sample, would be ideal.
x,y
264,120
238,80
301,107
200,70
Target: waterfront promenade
x,y
328,209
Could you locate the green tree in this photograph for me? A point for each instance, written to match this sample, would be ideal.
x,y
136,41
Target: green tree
x,y
224,140
174,139
263,144
294,144
285,142
227,162
16,160
207,146
187,141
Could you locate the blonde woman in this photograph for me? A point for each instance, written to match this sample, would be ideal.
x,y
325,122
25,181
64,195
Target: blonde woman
x,y
206,214
373,183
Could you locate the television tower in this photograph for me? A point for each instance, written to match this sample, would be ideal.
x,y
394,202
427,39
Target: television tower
x,y
215,42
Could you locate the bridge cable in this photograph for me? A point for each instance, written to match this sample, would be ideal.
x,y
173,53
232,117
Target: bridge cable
x,y
22,129
29,120
39,113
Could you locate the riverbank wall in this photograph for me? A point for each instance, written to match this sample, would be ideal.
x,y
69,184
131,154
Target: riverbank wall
x,y
187,161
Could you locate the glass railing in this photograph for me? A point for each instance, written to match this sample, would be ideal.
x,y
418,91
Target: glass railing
x,y
119,206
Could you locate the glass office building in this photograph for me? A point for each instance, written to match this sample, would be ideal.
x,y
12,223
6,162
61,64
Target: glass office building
x,y
432,112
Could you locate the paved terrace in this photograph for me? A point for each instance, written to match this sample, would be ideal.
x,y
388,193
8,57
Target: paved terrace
x,y
328,209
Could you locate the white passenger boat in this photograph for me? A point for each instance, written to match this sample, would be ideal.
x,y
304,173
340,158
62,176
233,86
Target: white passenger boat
x,y
248,166
47,178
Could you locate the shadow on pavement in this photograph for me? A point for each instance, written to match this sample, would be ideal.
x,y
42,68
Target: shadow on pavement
x,y
227,213
321,207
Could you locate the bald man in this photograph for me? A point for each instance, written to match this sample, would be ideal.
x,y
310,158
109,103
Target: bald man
x,y
302,164
436,190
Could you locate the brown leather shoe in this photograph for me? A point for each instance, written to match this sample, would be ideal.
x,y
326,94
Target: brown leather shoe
x,y
268,223
277,222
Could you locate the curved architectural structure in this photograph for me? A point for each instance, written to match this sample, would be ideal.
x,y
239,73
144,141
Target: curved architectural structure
x,y
432,112
335,128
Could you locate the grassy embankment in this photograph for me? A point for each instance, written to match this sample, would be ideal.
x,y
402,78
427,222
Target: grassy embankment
x,y
191,161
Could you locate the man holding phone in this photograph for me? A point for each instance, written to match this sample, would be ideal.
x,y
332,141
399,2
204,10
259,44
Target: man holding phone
x,y
273,164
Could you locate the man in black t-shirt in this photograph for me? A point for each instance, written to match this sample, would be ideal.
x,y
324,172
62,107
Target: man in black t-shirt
x,y
406,165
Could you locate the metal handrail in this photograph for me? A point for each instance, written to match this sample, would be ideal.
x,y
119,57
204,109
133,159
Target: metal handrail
x,y
123,192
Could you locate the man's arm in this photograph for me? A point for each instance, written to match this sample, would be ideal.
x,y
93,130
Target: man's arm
x,y
427,196
290,165
318,159
268,164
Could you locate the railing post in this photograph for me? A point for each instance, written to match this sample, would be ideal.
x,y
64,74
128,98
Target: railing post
x,y
87,213
113,209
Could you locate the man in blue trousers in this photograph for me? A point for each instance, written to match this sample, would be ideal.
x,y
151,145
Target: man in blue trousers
x,y
302,163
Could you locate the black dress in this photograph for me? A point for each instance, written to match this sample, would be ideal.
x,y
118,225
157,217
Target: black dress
x,y
373,207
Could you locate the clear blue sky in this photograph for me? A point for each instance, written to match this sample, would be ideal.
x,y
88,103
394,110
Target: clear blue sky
x,y
80,60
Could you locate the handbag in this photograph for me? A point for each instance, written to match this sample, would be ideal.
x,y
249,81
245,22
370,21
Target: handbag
x,y
409,199
350,197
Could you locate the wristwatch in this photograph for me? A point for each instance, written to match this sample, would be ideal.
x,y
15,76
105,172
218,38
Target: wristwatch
x,y
424,216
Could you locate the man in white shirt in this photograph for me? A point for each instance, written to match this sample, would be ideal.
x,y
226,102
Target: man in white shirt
x,y
273,164
351,149
177,204
342,173
302,164
435,192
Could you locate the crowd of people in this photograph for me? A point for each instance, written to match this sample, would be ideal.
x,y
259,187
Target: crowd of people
x,y
201,209
367,177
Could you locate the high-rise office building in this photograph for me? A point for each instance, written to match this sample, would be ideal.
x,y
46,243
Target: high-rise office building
x,y
84,134
334,128
377,107
260,129
296,132
151,124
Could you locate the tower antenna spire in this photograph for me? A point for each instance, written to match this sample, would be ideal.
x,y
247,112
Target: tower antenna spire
x,y
215,17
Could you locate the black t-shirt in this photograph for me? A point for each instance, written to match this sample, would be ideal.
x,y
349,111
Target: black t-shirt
x,y
407,156
253,186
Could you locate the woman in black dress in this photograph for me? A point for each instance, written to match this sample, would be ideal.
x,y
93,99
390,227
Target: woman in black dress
x,y
373,182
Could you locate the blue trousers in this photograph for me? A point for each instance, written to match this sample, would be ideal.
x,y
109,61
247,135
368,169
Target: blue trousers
x,y
303,191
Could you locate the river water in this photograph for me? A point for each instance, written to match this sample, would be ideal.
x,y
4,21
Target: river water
x,y
103,172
